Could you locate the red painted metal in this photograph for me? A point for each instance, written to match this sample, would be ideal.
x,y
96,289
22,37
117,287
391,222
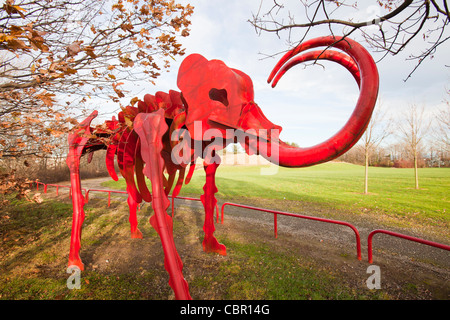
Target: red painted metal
x,y
336,56
45,185
275,224
125,192
101,190
151,128
210,243
87,191
295,215
55,185
78,140
403,236
194,199
343,140
215,101
38,183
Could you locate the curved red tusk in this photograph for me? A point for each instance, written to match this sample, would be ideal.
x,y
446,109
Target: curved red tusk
x,y
350,133
345,60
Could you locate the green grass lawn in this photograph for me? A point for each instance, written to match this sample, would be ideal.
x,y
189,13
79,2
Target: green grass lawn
x,y
35,245
335,185
34,238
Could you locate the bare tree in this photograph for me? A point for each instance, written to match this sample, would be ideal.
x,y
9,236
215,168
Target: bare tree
x,y
378,129
56,54
387,25
413,130
443,126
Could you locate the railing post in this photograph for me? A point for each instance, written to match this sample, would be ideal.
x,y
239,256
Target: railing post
x,y
223,207
217,213
109,199
369,247
173,206
275,225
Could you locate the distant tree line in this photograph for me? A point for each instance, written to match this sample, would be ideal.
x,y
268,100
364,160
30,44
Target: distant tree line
x,y
415,137
396,155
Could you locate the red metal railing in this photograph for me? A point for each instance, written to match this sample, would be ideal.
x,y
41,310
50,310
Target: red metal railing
x,y
399,235
57,188
87,191
38,183
295,215
45,185
100,190
276,213
193,199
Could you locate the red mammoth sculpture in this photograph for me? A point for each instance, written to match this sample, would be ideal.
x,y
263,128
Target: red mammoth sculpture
x,y
166,132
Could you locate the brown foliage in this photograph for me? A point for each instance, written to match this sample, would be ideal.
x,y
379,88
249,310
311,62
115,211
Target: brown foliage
x,y
10,184
50,64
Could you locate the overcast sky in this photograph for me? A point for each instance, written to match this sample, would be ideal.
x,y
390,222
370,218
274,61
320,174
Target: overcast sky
x,y
313,103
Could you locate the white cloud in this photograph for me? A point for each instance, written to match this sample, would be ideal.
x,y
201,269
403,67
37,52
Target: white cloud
x,y
311,104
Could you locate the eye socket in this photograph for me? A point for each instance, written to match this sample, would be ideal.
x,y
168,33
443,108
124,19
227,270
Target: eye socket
x,y
219,95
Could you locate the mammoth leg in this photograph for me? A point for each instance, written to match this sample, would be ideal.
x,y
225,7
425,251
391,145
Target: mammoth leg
x,y
126,157
132,205
133,200
77,142
210,243
73,162
151,127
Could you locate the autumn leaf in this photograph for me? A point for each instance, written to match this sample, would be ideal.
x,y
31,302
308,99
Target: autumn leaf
x,y
74,48
37,198
134,101
70,71
185,33
15,30
47,98
90,51
13,42
126,62
117,90
126,27
10,8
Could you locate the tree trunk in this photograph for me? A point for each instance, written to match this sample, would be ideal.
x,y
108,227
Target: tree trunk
x,y
416,175
366,173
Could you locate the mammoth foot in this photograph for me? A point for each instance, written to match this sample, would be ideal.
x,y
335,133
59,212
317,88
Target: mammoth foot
x,y
76,262
136,234
210,244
